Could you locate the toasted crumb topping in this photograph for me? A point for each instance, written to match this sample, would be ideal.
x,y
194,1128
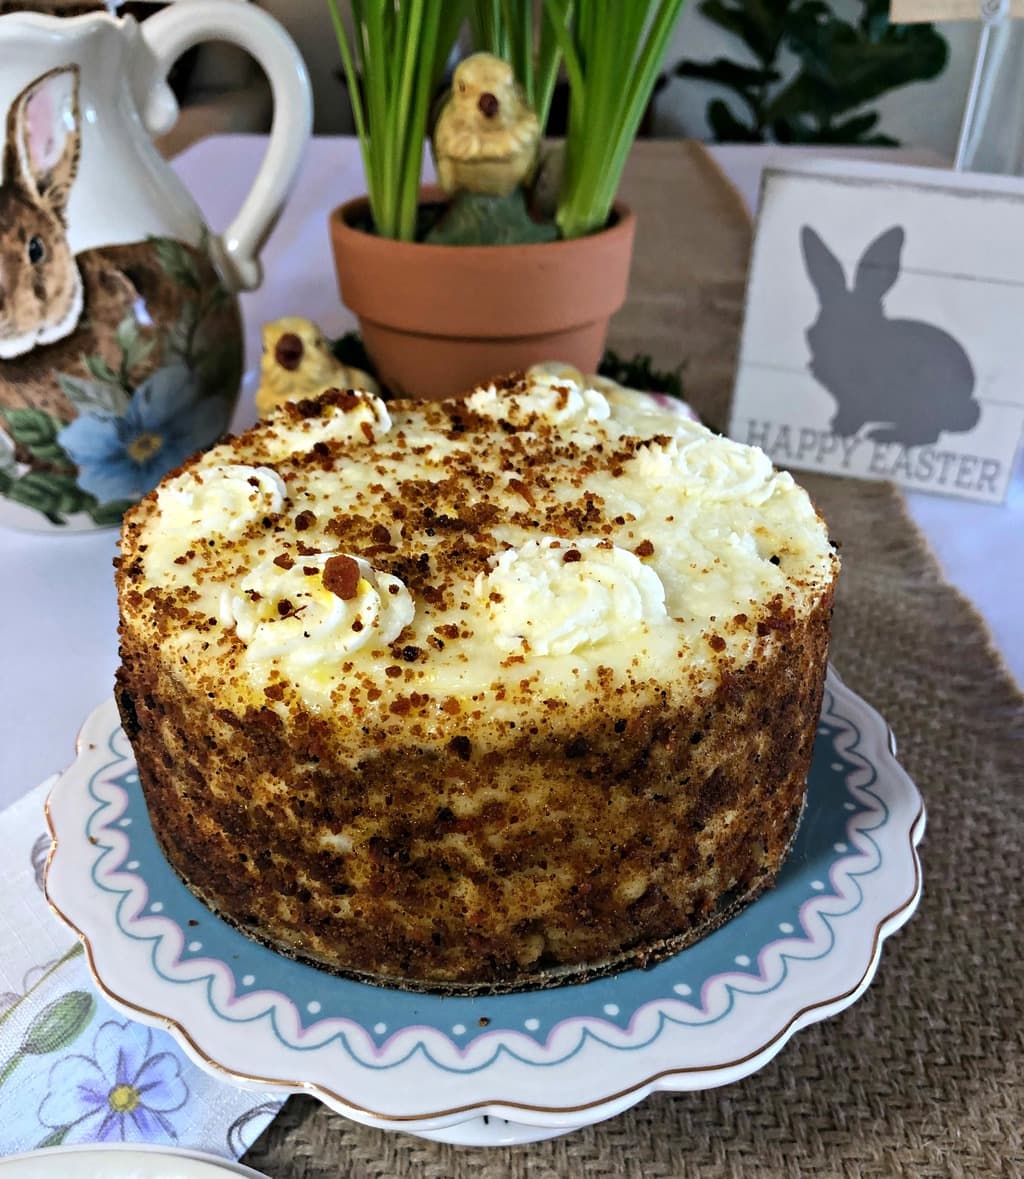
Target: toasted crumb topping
x,y
534,543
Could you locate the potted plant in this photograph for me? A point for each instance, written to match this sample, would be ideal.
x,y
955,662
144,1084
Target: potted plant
x,y
438,318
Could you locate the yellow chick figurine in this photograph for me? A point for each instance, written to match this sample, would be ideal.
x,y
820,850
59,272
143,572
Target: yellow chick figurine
x,y
298,362
487,138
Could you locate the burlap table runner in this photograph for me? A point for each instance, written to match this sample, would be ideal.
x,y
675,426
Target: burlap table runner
x,y
923,1076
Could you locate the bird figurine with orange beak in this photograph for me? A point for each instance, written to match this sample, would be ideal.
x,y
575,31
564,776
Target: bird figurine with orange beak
x,y
487,138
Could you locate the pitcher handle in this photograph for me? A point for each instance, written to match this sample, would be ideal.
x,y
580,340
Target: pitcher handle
x,y
177,28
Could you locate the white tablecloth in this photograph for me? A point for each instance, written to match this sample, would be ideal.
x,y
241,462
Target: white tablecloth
x,y
57,606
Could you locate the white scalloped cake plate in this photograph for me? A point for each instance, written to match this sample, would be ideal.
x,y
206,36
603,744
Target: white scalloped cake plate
x,y
505,1068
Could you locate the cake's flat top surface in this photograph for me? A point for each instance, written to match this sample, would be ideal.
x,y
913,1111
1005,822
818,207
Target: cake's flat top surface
x,y
536,541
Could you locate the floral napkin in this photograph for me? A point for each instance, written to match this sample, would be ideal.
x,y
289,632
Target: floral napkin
x,y
72,1069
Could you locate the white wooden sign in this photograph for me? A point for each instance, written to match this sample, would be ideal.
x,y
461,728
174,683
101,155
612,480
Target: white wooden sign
x,y
911,11
884,330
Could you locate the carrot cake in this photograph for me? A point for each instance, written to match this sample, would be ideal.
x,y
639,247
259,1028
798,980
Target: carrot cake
x,y
480,694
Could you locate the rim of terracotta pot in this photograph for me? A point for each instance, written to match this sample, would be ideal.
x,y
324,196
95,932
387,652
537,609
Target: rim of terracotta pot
x,y
546,286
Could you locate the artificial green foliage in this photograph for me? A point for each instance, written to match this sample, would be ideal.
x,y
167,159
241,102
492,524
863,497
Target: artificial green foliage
x,y
638,372
351,350
396,57
842,66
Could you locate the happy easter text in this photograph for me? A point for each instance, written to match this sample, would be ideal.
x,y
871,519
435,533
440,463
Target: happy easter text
x,y
926,466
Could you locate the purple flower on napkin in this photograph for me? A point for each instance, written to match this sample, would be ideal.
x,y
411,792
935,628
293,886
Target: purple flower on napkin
x,y
123,457
118,1094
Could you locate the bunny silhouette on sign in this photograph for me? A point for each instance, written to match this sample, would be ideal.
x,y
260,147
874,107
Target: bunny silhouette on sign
x,y
909,380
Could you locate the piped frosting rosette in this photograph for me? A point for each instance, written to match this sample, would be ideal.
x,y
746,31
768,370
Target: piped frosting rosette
x,y
553,596
300,613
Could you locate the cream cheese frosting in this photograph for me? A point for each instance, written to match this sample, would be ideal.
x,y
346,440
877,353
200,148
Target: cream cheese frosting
x,y
552,597
361,417
219,500
291,615
460,518
559,402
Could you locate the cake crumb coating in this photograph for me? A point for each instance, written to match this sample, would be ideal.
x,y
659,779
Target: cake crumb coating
x,y
475,693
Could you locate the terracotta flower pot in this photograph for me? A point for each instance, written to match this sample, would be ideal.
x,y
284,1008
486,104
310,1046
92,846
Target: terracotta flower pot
x,y
438,320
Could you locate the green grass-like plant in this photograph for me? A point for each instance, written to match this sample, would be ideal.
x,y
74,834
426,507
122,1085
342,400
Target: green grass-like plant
x,y
508,29
397,55
612,52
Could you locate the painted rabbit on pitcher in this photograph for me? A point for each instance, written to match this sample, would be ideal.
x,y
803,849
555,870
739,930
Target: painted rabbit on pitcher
x,y
120,338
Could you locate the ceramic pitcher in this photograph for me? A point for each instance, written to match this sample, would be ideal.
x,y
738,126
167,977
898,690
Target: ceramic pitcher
x,y
120,338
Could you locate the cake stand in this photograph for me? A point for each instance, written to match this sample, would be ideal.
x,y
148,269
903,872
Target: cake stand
x,y
498,1069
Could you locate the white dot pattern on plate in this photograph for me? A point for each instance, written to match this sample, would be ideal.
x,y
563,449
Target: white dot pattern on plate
x,y
840,847
849,806
682,989
785,927
132,865
380,1028
837,765
124,823
156,907
248,980
195,947
742,960
459,1029
531,1025
817,885
313,1008
611,1009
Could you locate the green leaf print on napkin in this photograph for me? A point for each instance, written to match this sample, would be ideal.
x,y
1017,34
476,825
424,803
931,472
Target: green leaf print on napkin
x,y
57,1026
53,1139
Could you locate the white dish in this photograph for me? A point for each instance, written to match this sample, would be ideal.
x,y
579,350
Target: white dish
x,y
120,1162
507,1068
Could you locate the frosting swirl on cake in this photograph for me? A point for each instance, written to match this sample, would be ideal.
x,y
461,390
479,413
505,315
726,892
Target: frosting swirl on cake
x,y
691,550
353,416
222,499
553,597
560,402
312,612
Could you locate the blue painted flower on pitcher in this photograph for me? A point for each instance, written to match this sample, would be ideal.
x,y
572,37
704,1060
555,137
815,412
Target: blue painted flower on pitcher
x,y
120,1093
93,341
167,420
